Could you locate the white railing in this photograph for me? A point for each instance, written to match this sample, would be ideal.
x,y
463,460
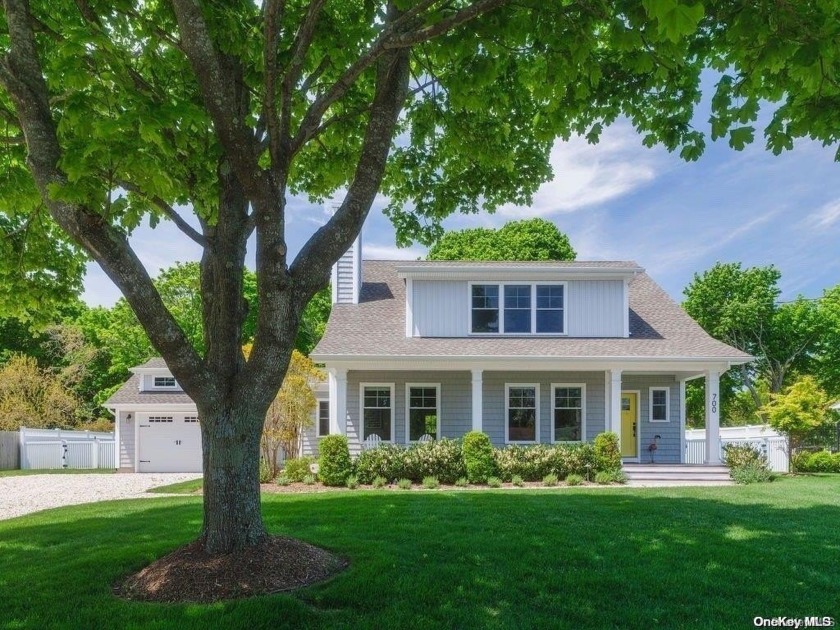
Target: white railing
x,y
49,449
748,431
773,448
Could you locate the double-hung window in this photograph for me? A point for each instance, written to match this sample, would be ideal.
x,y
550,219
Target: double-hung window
x,y
423,411
377,411
522,406
323,418
518,308
569,413
659,404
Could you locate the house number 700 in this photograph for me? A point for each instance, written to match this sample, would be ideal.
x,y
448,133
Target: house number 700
x,y
714,403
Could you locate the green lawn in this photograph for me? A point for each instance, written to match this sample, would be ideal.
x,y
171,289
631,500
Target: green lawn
x,y
182,487
57,471
573,558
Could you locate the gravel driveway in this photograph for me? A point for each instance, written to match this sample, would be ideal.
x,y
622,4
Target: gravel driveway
x,y
32,493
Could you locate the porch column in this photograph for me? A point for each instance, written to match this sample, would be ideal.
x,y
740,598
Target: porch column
x,y
712,417
614,402
338,401
477,400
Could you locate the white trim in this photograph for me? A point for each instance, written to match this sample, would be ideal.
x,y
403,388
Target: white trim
x,y
501,271
334,282
536,387
638,393
682,421
390,386
409,307
667,391
136,443
712,417
626,307
357,268
337,384
318,402
145,406
501,285
408,387
477,392
615,401
552,409
164,387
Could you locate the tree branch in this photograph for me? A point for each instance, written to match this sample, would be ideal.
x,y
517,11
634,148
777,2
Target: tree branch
x,y
274,10
167,210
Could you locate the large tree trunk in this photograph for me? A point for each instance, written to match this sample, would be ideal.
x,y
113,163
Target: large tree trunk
x,y
231,454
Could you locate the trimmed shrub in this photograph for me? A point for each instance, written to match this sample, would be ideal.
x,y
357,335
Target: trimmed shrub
x,y
607,452
819,461
516,480
443,459
386,461
431,483
603,478
494,482
283,480
550,480
746,464
379,482
750,473
309,480
352,482
618,476
296,469
462,482
265,472
533,463
574,480
404,484
334,465
478,457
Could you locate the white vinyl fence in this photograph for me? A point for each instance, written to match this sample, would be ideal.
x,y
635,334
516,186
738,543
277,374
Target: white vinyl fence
x,y
53,448
770,443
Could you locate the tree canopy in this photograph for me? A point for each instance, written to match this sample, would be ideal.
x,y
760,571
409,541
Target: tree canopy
x,y
528,239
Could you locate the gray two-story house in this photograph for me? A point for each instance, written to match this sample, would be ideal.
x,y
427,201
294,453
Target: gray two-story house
x,y
528,352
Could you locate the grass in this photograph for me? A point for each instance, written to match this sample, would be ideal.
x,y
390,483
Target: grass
x,y
57,471
575,558
182,487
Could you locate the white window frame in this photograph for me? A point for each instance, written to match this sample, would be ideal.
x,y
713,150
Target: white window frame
x,y
554,388
156,386
362,410
667,391
536,387
408,387
533,284
318,417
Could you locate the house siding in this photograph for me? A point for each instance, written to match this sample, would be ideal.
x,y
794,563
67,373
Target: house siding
x,y
440,308
493,407
455,401
126,445
669,445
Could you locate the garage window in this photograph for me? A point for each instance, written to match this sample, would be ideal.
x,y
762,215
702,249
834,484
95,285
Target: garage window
x,y
190,418
160,418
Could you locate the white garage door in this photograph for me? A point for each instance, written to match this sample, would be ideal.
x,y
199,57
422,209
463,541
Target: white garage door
x,y
169,442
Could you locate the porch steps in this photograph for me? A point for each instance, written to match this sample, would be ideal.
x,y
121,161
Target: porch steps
x,y
660,475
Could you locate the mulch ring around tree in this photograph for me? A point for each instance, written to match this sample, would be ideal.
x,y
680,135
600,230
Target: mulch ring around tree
x,y
190,574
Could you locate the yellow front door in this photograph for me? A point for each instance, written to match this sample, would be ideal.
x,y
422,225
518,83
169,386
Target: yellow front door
x,y
629,402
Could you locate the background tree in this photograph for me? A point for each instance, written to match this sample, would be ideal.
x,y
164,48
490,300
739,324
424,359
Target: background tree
x,y
32,396
121,112
800,412
528,239
292,412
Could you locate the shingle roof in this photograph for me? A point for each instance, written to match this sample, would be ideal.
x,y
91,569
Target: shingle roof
x,y
130,394
154,362
376,327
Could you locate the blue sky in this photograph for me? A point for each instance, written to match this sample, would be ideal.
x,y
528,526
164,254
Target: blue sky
x,y
621,201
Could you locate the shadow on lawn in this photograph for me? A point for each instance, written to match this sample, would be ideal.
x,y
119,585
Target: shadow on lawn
x,y
461,559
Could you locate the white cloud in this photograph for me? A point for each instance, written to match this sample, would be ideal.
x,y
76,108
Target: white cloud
x,y
825,217
587,175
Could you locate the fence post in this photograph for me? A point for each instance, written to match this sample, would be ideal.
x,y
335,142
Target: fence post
x,y
95,458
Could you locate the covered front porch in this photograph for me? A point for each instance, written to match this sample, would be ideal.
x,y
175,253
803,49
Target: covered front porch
x,y
523,404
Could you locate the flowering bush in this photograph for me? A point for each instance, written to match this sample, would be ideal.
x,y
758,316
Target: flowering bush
x,y
387,460
533,463
443,459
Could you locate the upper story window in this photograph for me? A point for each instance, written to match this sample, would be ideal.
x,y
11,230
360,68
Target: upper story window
x,y
532,308
164,381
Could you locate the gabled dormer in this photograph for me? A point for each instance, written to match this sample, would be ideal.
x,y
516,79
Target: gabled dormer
x,y
513,299
154,376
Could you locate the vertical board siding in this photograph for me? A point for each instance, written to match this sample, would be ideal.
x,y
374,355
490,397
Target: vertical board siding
x,y
596,308
455,401
440,308
9,450
494,401
126,446
669,446
345,285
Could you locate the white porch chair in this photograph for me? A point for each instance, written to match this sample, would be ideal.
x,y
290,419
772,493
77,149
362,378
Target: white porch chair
x,y
371,441
425,438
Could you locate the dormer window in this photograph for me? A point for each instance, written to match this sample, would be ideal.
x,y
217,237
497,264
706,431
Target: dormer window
x,y
165,382
526,308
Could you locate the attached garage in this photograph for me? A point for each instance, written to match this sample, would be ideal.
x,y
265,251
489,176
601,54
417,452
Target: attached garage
x,y
168,442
